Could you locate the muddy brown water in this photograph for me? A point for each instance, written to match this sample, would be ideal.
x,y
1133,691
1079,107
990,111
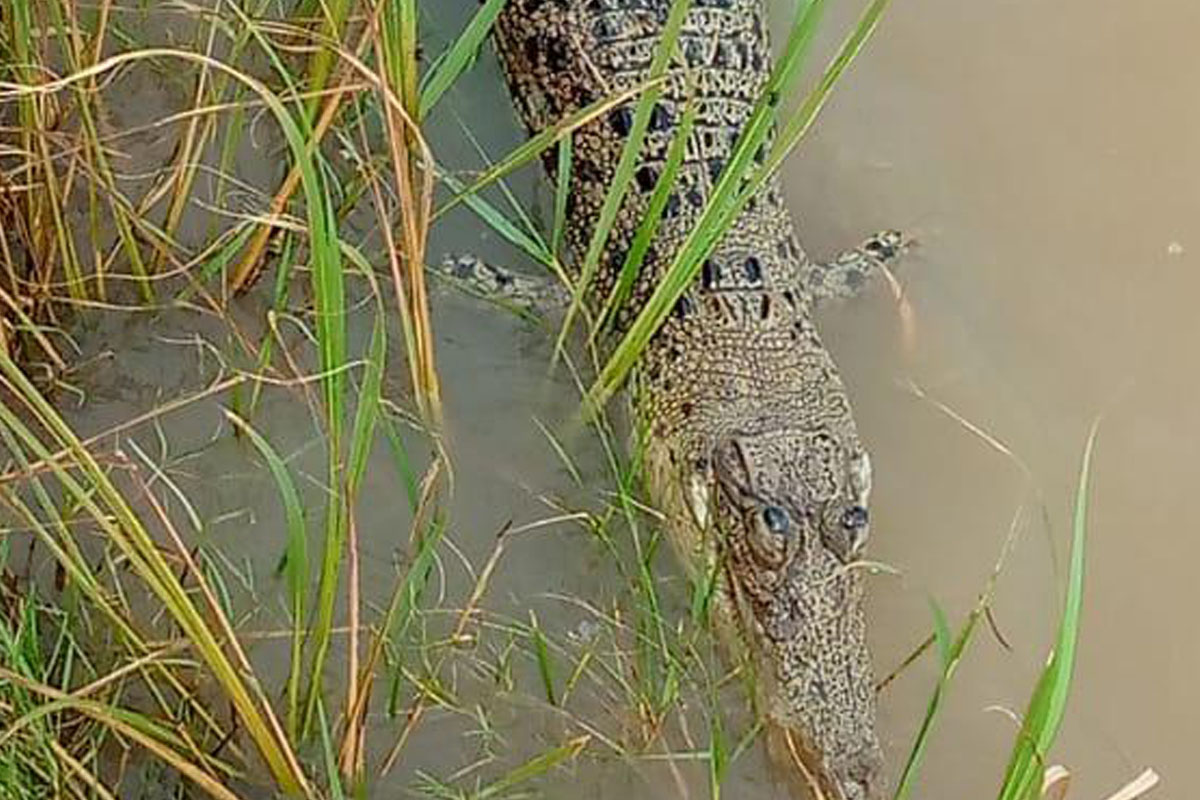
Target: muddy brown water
x,y
1044,156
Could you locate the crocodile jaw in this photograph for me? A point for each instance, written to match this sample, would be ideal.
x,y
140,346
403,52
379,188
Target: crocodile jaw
x,y
803,624
806,628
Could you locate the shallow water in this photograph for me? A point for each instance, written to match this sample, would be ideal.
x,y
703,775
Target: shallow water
x,y
1042,154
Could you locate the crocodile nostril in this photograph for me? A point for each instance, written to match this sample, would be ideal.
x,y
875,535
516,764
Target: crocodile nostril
x,y
855,517
853,790
860,780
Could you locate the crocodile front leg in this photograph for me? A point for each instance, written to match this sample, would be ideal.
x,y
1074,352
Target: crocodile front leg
x,y
854,269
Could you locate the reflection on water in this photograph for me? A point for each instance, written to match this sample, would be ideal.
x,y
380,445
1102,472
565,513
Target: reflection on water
x,y
1043,154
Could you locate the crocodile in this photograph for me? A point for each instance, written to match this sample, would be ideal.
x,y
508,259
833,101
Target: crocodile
x,y
749,443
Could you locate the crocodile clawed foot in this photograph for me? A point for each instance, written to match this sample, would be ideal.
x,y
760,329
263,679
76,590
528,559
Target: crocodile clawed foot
x,y
852,270
524,294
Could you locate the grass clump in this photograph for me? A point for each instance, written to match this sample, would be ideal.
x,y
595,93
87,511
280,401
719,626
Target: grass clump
x,y
51,751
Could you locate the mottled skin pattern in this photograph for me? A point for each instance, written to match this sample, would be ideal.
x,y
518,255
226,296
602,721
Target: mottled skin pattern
x,y
751,448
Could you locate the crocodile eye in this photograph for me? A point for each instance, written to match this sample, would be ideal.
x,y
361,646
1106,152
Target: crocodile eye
x,y
776,520
771,536
855,517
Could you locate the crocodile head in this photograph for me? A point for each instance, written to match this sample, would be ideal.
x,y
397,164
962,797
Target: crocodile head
x,y
790,508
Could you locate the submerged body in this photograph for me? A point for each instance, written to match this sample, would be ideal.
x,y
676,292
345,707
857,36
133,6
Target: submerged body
x,y
750,446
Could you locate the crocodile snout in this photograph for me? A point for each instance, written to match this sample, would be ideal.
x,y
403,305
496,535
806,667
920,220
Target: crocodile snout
x,y
860,777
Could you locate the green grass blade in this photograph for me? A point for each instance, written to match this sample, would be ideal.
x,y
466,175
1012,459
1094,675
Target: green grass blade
x,y
542,652
407,595
521,215
329,757
543,140
1022,779
321,64
295,559
951,653
461,55
367,414
217,264
653,217
535,767
800,121
510,231
402,462
283,276
718,755
631,155
941,634
562,190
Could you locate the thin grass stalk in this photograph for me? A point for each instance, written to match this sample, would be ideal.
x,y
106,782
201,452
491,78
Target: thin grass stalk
x,y
1048,703
76,54
119,209
42,209
535,767
951,651
623,175
417,711
333,26
362,441
412,165
426,531
335,784
541,141
26,324
234,126
523,220
459,57
522,236
659,682
562,192
250,265
195,135
296,564
103,12
395,266
544,662
330,309
651,220
76,767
